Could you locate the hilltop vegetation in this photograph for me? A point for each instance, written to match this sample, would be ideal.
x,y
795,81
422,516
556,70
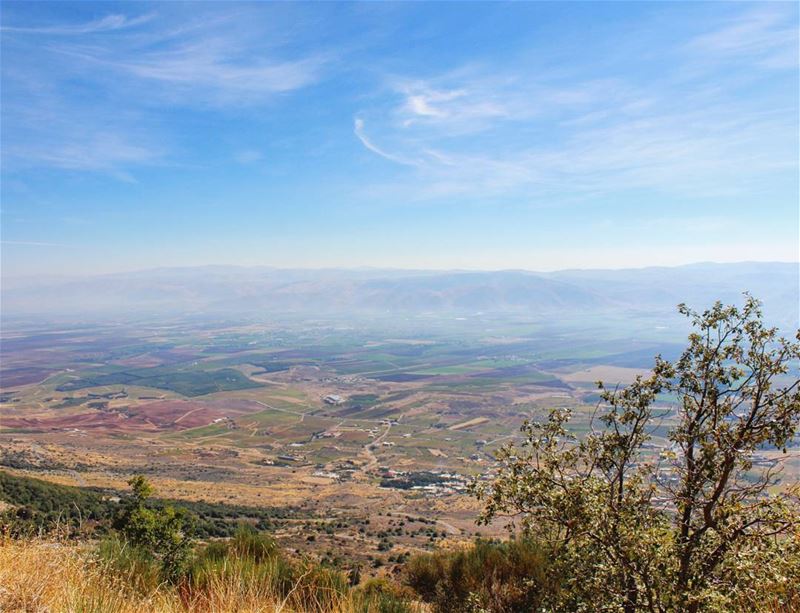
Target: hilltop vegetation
x,y
40,507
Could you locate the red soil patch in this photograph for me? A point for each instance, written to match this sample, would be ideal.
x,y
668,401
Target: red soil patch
x,y
185,414
95,420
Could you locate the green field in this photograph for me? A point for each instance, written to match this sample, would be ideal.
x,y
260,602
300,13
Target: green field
x,y
185,382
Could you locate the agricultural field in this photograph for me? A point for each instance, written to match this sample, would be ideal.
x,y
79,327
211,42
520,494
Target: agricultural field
x,y
332,417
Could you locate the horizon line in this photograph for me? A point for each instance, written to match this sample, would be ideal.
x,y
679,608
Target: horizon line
x,y
393,269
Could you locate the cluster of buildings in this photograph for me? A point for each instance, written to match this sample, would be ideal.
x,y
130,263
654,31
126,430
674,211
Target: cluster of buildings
x,y
345,379
431,483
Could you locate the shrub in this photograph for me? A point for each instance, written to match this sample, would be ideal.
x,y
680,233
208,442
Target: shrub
x,y
379,595
163,533
511,576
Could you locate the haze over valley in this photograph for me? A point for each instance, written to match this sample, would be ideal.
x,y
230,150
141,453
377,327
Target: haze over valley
x,y
228,290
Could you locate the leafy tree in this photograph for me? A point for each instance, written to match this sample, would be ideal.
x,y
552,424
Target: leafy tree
x,y
705,525
164,532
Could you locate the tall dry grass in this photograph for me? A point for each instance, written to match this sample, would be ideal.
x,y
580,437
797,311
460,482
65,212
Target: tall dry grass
x,y
40,576
55,577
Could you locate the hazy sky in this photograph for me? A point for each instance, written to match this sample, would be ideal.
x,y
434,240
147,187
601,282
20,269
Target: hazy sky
x,y
537,136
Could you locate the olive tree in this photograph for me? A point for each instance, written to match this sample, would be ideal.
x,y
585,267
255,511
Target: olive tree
x,y
705,523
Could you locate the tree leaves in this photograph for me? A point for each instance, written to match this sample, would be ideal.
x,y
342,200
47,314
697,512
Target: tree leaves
x,y
634,532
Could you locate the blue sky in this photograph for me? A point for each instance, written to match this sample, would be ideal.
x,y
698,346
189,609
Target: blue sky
x,y
486,136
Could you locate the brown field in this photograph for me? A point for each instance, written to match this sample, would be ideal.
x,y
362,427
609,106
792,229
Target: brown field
x,y
470,423
610,375
185,414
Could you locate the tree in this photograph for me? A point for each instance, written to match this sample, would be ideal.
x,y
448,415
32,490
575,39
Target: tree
x,y
164,533
703,525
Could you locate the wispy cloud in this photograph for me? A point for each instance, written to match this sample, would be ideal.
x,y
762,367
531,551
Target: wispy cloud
x,y
664,152
88,97
204,72
104,24
222,62
765,36
423,102
534,135
359,131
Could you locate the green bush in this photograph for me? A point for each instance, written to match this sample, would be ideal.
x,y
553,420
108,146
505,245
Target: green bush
x,y
162,532
246,542
501,577
380,595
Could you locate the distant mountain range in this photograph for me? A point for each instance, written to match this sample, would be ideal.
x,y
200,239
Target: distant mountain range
x,y
239,290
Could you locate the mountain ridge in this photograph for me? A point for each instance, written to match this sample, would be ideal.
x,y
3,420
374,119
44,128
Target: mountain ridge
x,y
232,289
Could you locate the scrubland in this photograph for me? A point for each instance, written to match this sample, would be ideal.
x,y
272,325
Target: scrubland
x,y
53,576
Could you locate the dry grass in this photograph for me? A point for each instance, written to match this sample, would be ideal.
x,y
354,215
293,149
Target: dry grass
x,y
56,577
52,577
61,577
